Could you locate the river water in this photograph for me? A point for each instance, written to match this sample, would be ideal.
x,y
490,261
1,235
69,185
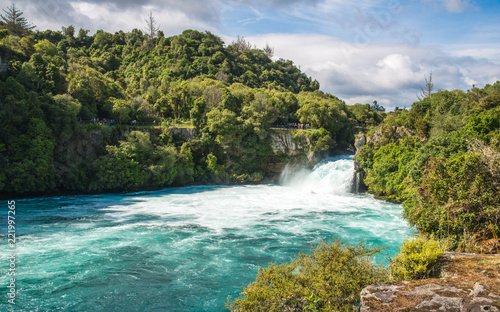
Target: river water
x,y
183,249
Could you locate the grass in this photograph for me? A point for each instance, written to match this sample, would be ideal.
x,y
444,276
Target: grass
x,y
181,124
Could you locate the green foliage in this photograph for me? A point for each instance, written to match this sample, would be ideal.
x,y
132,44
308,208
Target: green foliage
x,y
324,111
93,90
445,172
27,142
458,196
365,114
330,278
61,112
390,167
137,161
226,126
415,259
320,139
46,47
31,153
232,96
117,171
212,163
3,33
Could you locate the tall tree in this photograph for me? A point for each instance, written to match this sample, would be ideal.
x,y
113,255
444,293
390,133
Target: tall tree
x,y
69,31
241,44
427,91
377,107
152,26
14,22
268,50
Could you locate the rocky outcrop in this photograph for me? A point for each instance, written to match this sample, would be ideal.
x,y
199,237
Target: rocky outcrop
x,y
391,134
295,151
3,64
359,174
185,133
360,141
468,283
284,143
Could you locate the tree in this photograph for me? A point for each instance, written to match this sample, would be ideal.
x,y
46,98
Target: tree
x,y
330,278
151,26
429,85
241,44
14,23
4,33
69,31
268,50
378,108
82,34
121,110
46,47
365,114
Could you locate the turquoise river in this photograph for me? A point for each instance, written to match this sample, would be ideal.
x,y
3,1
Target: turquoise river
x,y
182,249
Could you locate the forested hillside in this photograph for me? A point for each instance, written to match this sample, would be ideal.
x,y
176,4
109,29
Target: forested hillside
x,y
441,158
90,113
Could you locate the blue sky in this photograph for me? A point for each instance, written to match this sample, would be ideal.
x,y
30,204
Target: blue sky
x,y
360,51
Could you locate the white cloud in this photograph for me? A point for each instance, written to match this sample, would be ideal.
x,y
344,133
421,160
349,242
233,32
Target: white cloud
x,y
113,15
389,73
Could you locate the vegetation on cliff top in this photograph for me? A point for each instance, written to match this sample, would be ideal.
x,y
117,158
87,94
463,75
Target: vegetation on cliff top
x,y
441,159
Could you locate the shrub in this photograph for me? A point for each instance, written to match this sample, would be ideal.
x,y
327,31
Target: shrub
x,y
416,258
458,196
329,279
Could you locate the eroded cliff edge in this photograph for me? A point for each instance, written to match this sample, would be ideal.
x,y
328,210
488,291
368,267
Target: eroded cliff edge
x,y
464,283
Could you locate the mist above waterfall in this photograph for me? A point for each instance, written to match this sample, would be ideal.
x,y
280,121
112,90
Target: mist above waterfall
x,y
333,175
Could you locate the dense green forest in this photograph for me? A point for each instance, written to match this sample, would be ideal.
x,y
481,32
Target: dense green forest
x,y
441,159
58,81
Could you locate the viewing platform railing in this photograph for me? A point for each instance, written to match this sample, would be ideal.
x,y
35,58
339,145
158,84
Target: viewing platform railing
x,y
292,126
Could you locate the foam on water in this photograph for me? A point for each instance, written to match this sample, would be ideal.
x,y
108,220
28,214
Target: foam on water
x,y
185,249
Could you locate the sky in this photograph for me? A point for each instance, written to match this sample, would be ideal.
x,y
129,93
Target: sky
x,y
360,51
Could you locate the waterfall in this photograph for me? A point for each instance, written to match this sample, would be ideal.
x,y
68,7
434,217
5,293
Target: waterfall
x,y
332,175
358,181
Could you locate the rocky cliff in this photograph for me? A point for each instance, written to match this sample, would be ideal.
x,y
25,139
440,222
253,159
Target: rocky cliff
x,y
184,133
3,64
466,283
284,143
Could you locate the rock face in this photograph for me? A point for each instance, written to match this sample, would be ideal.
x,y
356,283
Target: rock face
x,y
283,143
185,133
359,175
3,65
469,283
392,134
360,141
